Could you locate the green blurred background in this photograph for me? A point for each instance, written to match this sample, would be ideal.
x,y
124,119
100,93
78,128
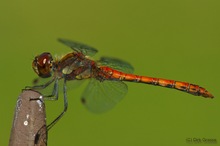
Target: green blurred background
x,y
174,39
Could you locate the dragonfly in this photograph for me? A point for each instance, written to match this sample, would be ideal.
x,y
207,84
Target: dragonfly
x,y
106,76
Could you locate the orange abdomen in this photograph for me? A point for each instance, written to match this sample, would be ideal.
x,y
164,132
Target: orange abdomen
x,y
182,86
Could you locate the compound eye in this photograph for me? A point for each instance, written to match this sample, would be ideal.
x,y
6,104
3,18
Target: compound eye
x,y
42,65
44,59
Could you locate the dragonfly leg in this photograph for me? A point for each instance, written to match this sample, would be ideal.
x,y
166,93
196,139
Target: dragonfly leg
x,y
64,110
40,86
54,95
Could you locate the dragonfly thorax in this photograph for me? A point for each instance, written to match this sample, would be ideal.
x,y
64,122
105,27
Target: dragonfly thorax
x,y
73,66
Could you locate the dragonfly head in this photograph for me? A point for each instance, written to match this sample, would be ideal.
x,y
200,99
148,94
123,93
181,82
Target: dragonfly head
x,y
43,64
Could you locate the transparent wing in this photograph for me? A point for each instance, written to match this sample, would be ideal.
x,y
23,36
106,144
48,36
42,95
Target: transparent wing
x,y
99,96
79,47
116,64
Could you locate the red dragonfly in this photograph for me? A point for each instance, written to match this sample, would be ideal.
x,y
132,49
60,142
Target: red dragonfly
x,y
106,86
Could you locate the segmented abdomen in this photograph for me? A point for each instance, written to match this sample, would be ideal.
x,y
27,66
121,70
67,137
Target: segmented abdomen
x,y
182,86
